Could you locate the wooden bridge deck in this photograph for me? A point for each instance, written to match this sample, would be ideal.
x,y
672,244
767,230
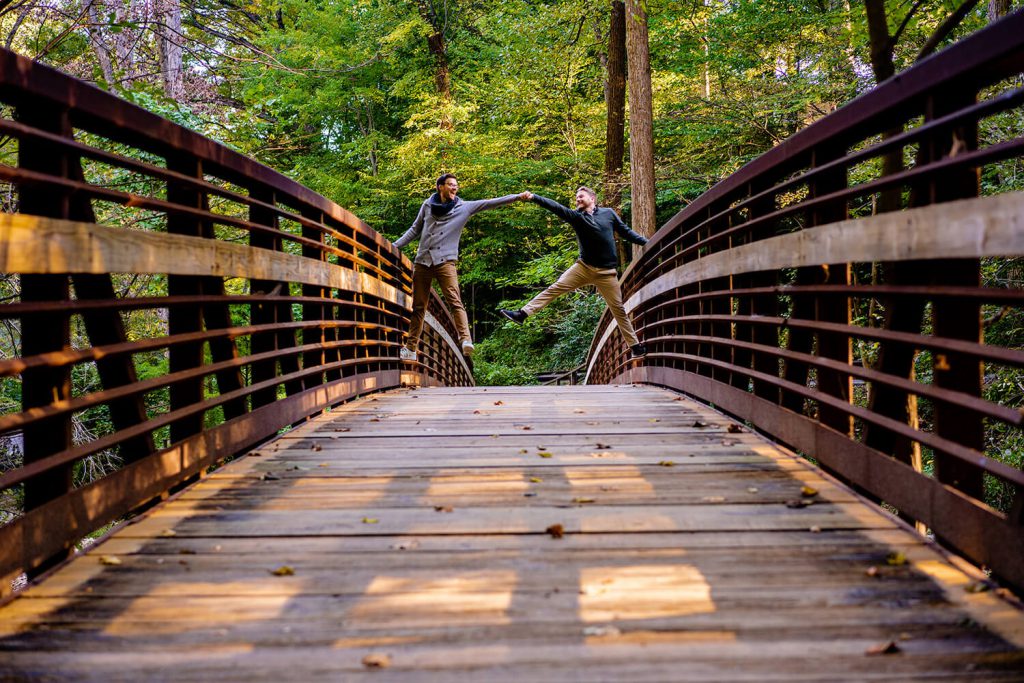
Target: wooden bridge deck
x,y
414,535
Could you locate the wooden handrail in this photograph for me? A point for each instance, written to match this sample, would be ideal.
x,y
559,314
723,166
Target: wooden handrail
x,y
772,292
245,335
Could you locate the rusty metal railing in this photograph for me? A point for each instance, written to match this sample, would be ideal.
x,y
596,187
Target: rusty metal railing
x,y
862,316
168,303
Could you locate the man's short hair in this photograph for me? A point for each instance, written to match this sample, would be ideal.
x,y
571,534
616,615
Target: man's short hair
x,y
444,178
588,190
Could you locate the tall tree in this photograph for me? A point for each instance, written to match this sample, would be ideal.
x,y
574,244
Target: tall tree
x,y
168,29
615,103
438,16
641,119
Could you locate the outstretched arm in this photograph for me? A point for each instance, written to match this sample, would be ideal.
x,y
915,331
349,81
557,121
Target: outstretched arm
x,y
563,212
479,205
627,233
414,231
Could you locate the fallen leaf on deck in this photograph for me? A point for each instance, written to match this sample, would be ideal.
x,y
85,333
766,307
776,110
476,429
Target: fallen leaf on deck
x,y
798,503
700,425
751,489
283,570
168,533
343,429
678,398
316,447
977,587
376,661
896,559
592,422
526,427
654,419
499,403
735,429
890,648
580,500
186,551
374,419
324,464
555,531
601,446
536,480
110,559
667,463
808,492
872,571
269,476
476,412
713,499
442,508
815,529
370,520
545,454
523,450
579,411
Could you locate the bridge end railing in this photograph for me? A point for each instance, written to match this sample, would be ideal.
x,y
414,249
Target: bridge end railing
x,y
857,293
166,303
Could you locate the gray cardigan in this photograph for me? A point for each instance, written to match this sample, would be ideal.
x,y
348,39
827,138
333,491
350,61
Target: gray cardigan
x,y
439,236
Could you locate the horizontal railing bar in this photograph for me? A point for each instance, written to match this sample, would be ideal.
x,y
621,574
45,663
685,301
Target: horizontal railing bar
x,y
92,248
74,454
987,107
879,109
959,399
101,113
14,421
996,152
157,172
128,199
78,306
995,354
980,294
72,357
966,455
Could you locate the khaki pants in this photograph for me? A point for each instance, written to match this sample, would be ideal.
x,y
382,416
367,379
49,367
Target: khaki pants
x,y
448,279
580,275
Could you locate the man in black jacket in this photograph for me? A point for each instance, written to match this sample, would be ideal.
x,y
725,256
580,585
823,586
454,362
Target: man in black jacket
x,y
595,231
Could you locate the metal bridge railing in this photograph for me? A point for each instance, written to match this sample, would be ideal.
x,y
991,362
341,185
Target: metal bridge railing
x,y
852,294
167,303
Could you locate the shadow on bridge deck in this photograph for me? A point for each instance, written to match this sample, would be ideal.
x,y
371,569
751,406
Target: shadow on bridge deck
x,y
416,528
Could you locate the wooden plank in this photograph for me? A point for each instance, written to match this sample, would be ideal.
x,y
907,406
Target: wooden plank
x,y
698,571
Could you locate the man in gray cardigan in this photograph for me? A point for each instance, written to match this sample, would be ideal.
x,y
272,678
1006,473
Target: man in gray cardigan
x,y
438,226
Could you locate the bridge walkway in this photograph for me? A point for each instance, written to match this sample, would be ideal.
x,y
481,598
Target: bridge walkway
x,y
514,534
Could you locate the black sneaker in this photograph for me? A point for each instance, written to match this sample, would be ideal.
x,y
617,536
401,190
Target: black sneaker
x,y
638,350
517,317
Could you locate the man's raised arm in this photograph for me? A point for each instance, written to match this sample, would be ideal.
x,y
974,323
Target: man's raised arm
x,y
479,205
563,212
414,230
627,233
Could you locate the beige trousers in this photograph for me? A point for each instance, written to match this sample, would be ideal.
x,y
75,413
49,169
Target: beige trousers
x,y
448,279
580,275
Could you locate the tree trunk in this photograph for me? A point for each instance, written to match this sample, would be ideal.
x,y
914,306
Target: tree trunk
x,y
170,38
93,8
998,9
615,99
641,119
438,46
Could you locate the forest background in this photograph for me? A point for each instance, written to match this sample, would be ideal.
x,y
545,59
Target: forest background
x,y
368,101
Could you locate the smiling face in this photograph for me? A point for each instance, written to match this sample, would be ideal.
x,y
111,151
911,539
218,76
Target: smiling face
x,y
448,189
584,200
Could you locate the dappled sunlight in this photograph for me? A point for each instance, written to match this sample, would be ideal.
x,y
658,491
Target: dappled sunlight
x,y
162,608
627,478
643,592
475,484
479,597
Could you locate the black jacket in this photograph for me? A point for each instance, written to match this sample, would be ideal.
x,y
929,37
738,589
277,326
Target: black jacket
x,y
595,232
